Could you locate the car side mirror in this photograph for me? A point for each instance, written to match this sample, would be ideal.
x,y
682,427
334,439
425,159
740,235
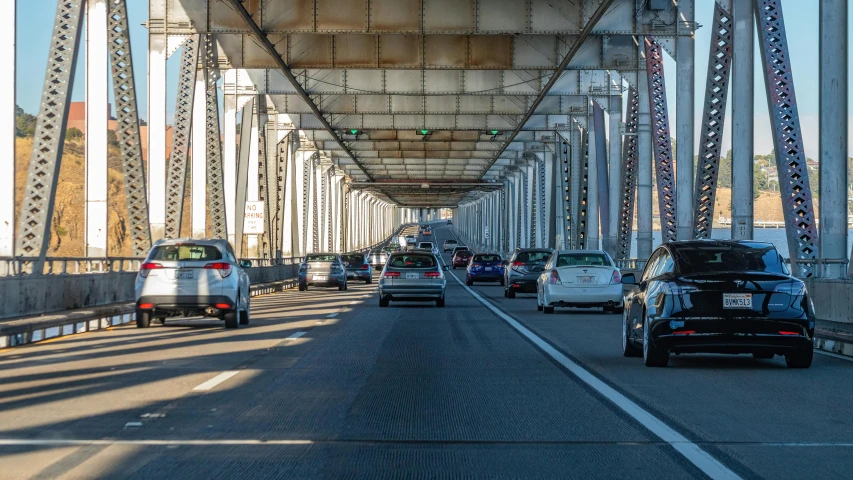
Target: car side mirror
x,y
245,263
629,279
445,268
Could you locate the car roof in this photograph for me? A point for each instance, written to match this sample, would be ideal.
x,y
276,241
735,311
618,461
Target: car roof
x,y
718,242
602,252
520,250
195,241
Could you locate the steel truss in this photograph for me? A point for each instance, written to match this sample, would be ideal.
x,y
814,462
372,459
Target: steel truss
x,y
264,191
215,184
629,176
247,119
323,207
327,204
602,175
271,185
542,231
127,133
787,137
315,207
306,185
565,193
176,184
40,190
713,122
281,158
664,167
583,190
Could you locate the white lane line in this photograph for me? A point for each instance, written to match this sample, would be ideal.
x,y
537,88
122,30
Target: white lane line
x,y
834,355
691,451
132,424
208,385
332,315
295,336
56,442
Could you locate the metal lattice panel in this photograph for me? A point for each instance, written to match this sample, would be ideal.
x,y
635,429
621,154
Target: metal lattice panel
x,y
306,186
329,210
49,139
504,219
543,233
713,122
176,182
281,185
215,184
583,202
787,136
127,133
315,205
323,207
629,176
565,191
664,167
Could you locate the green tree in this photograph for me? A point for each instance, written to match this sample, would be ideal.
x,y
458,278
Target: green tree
x,y
73,134
25,124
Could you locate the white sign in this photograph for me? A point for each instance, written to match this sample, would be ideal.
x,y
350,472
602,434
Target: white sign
x,y
487,232
254,219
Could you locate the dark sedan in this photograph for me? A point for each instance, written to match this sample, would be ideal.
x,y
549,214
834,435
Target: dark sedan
x,y
485,267
461,258
717,296
524,268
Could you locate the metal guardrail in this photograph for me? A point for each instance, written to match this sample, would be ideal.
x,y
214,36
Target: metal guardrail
x,y
630,263
13,266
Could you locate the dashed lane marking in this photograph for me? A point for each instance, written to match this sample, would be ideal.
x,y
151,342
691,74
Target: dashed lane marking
x,y
332,315
213,382
295,336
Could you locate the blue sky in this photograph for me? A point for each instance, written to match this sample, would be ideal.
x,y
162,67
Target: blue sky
x,y
35,23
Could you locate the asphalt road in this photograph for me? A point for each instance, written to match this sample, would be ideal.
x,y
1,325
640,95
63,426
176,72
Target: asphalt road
x,y
325,384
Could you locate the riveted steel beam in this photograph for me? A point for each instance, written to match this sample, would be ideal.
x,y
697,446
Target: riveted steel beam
x,y
787,137
713,122
661,139
247,119
602,176
215,182
127,132
629,176
40,188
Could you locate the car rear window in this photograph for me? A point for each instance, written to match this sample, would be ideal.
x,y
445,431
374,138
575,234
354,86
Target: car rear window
x,y
353,259
582,259
728,258
464,252
487,258
186,252
533,257
425,245
320,258
414,260
450,241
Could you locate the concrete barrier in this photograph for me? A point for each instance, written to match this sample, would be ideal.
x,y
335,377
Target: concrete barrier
x,y
833,299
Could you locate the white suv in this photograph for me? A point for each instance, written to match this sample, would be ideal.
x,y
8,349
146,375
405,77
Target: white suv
x,y
428,246
192,277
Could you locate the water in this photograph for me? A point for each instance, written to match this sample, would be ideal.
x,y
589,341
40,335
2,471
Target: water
x,y
775,236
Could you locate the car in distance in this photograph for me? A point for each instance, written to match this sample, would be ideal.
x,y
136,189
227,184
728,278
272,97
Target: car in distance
x,y
717,296
410,242
357,267
449,221
427,232
485,267
322,270
579,278
457,248
461,257
377,258
412,276
525,266
192,277
428,246
449,245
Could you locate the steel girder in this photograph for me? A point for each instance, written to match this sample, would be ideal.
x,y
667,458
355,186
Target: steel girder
x,y
323,208
542,232
602,175
127,133
327,204
664,168
49,139
177,166
266,172
566,193
505,218
787,137
215,182
306,192
713,122
282,157
247,119
524,211
315,205
629,176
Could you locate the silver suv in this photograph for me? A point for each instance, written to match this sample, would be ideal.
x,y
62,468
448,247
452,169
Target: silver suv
x,y
192,277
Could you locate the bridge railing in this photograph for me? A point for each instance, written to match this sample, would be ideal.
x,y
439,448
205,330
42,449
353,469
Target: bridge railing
x,y
11,266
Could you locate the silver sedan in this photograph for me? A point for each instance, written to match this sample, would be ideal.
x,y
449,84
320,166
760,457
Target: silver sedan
x,y
413,276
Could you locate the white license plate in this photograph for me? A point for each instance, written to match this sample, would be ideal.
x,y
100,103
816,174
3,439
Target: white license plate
x,y
184,274
413,276
737,300
588,280
488,269
319,277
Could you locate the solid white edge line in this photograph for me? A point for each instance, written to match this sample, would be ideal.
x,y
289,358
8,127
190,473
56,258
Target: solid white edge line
x,y
208,385
332,315
689,450
833,355
295,336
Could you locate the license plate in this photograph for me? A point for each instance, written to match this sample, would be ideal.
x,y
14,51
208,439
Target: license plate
x,y
737,300
488,269
413,276
589,280
319,277
184,274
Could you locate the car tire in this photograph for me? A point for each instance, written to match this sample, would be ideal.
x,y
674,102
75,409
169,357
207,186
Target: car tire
x,y
502,283
383,301
302,287
653,356
440,302
369,281
510,293
231,320
162,320
548,309
505,293
244,317
628,348
469,282
143,319
341,287
538,307
801,357
617,309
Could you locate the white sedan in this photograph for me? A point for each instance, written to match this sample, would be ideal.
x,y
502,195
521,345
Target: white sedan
x,y
579,278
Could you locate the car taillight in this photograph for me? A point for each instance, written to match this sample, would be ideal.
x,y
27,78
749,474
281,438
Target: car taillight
x,y
432,274
365,266
616,278
554,279
146,306
223,268
222,306
391,274
146,268
782,332
791,288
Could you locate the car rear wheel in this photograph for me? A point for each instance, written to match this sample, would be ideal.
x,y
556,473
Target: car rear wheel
x,y
143,319
369,281
470,282
440,302
548,309
502,282
303,287
383,302
510,293
341,287
801,357
231,320
628,348
653,356
244,317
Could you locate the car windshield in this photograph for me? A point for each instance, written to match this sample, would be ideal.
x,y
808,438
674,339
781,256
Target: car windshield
x,y
353,259
533,257
186,252
320,258
717,257
487,258
582,259
414,260
425,245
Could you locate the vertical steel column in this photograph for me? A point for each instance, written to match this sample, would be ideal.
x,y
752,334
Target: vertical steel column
x,y
644,170
581,173
505,216
49,139
528,205
306,199
833,135
661,138
602,175
345,216
629,177
684,104
254,169
548,199
229,150
281,221
198,158
127,133
177,167
97,114
315,204
713,123
787,137
592,217
7,133
157,55
241,195
216,202
565,201
266,184
519,196
743,119
615,178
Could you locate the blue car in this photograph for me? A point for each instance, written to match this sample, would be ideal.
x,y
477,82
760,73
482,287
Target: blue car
x,y
485,267
358,268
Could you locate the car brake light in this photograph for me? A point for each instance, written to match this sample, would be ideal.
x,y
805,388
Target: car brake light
x,y
782,332
616,278
146,306
223,268
684,332
554,279
222,306
391,274
432,274
791,288
365,266
146,268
